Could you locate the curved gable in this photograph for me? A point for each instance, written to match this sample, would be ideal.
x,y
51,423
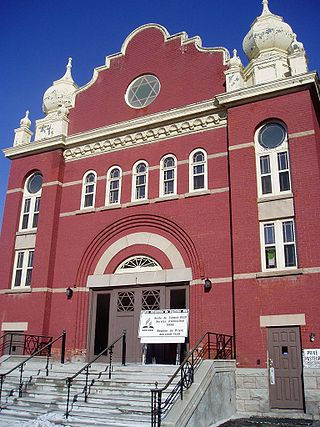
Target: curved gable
x,y
187,72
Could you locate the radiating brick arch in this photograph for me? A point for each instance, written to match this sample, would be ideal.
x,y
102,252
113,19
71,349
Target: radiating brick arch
x,y
169,232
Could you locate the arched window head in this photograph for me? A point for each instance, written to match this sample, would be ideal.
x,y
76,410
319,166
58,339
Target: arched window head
x,y
140,181
138,263
31,202
168,175
198,171
272,159
113,195
89,183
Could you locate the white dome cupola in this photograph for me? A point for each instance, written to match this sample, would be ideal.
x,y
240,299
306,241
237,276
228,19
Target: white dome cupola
x,y
267,33
61,93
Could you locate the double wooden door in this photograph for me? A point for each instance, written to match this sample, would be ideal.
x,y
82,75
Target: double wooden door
x,y
119,309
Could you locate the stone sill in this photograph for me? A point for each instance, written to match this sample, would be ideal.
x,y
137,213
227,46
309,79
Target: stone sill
x,y
268,274
270,198
197,193
18,291
32,231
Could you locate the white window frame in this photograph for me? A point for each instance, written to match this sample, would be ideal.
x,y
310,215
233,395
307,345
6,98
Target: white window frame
x,y
272,154
279,245
31,201
84,192
192,175
108,188
26,256
162,176
135,174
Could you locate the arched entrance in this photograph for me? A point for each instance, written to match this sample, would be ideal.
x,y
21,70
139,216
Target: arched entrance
x,y
139,282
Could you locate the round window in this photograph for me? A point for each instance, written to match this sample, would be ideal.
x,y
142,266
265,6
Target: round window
x,y
34,183
142,91
272,135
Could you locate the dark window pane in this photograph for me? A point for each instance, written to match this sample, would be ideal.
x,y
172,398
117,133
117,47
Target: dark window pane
x,y
284,181
27,206
25,219
289,255
269,236
35,220
264,164
272,135
17,280
88,200
28,277
271,261
168,187
141,192
266,184
198,182
34,183
114,196
282,161
288,232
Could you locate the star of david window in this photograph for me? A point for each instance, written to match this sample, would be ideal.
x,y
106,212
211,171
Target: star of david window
x,y
142,91
125,301
138,263
151,299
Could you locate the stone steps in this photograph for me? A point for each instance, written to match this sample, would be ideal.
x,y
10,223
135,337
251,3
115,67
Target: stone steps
x,y
122,401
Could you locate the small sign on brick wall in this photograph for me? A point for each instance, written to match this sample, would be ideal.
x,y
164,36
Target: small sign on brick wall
x,y
311,358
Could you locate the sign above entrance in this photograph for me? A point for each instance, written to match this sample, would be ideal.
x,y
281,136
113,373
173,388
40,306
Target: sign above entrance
x,y
311,358
163,326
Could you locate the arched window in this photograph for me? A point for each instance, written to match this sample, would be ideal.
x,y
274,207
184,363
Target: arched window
x,y
138,263
168,175
31,202
198,171
113,195
88,190
272,160
140,181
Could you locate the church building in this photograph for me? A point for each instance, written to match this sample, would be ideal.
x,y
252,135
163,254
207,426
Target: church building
x,y
177,178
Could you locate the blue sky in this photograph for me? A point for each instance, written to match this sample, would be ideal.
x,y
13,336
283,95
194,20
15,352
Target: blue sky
x,y
38,36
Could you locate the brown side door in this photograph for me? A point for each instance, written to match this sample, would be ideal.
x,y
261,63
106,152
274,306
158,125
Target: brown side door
x,y
285,368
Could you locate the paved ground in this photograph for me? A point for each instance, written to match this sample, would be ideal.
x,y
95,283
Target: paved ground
x,y
269,422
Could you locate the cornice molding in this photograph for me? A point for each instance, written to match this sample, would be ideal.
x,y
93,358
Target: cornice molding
x,y
149,135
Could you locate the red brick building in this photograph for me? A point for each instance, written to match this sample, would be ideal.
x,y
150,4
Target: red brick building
x,y
173,165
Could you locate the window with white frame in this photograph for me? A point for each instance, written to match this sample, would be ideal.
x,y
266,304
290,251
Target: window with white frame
x,y
272,155
278,250
88,196
168,175
198,171
114,176
22,270
31,202
140,181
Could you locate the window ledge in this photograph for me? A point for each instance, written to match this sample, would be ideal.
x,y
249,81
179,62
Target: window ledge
x,y
279,273
165,198
85,211
105,208
197,193
270,198
138,202
18,291
29,232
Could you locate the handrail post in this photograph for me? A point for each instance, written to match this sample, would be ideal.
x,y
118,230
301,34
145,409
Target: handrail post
x,y
86,386
209,346
124,347
20,382
48,357
2,377
10,348
63,345
69,382
110,361
159,408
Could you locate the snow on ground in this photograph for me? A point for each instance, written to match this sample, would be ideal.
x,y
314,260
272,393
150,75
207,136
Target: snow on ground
x,y
42,421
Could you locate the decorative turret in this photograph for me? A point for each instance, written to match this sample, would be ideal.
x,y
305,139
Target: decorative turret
x,y
23,133
57,100
234,75
60,93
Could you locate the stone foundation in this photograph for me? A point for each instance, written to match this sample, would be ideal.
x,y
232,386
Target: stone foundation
x,y
252,391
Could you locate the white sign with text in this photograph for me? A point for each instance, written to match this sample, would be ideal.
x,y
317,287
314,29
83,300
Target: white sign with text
x,y
311,358
163,326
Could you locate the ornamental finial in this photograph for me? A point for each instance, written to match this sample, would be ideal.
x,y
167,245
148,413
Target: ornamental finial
x,y
68,75
25,121
265,11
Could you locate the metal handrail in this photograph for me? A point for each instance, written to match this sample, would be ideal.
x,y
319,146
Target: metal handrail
x,y
21,364
28,344
220,349
87,387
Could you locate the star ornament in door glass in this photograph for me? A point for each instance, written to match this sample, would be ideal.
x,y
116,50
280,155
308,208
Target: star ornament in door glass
x,y
142,91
